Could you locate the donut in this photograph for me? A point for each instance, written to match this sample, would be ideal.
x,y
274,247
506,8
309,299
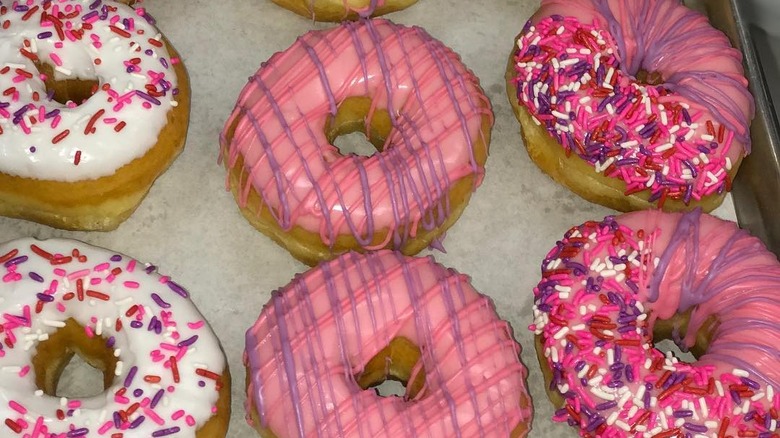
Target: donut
x,y
631,104
418,104
610,288
94,107
164,371
340,10
351,323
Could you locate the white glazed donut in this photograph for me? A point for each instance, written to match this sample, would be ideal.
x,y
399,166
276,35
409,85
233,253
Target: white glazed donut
x,y
165,373
94,105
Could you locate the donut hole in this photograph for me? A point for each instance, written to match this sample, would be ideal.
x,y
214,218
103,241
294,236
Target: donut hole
x,y
76,90
394,371
52,362
649,77
343,129
669,336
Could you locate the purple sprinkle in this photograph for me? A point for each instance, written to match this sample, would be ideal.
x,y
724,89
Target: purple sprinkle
x,y
606,405
117,420
137,422
130,376
78,432
683,413
44,35
188,342
695,427
45,298
164,62
136,324
94,4
16,261
147,97
110,342
178,289
160,302
36,277
138,392
116,258
152,323
201,383
156,398
88,16
751,383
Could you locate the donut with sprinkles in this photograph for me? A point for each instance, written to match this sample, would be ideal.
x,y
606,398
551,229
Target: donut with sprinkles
x,y
632,104
609,288
164,371
94,106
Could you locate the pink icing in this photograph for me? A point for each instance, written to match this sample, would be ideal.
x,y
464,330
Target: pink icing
x,y
436,108
320,330
605,284
679,139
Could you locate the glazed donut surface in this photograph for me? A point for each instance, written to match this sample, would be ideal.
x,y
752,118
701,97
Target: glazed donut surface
x,y
418,104
610,287
632,104
95,106
360,319
164,371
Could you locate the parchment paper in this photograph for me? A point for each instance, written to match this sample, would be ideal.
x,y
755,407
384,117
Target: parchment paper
x,y
190,226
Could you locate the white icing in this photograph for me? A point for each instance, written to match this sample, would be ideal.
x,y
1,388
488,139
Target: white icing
x,y
135,347
105,151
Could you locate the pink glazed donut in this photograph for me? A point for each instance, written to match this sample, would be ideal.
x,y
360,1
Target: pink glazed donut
x,y
418,104
633,104
360,319
609,287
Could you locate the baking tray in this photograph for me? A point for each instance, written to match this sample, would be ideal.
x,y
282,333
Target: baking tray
x,y
756,191
190,226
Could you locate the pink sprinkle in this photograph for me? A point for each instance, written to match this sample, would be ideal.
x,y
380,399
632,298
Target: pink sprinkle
x,y
130,266
17,407
73,404
78,274
195,325
178,414
191,421
59,272
56,59
25,369
131,284
121,399
102,267
153,415
105,427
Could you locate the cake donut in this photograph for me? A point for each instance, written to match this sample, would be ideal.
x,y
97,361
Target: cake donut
x,y
609,288
417,103
354,322
94,106
632,104
164,371
340,10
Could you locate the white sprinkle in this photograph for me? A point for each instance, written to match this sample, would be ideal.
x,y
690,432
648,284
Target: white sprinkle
x,y
707,137
63,70
740,372
12,369
50,323
560,30
561,333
